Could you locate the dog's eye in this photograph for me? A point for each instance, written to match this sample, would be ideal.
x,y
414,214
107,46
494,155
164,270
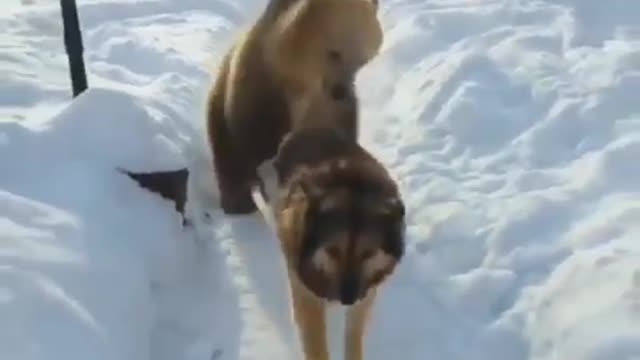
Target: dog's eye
x,y
367,254
333,252
334,55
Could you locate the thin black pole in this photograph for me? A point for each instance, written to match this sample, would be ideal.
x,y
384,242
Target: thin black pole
x,y
73,46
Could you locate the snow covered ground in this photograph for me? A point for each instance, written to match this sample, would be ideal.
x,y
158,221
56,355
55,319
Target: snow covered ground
x,y
513,127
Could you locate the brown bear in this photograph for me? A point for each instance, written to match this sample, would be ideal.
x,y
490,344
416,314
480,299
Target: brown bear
x,y
295,67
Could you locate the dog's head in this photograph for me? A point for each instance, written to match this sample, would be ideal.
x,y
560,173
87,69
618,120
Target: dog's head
x,y
342,223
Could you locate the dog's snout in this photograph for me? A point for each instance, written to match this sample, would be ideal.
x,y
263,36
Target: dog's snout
x,y
349,289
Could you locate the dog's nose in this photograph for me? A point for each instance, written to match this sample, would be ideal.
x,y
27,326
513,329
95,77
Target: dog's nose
x,y
349,289
348,300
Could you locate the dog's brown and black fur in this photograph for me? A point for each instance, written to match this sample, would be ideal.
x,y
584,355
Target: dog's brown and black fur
x,y
340,219
294,67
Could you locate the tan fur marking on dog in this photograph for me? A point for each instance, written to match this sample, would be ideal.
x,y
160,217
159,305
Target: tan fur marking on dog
x,y
379,262
322,261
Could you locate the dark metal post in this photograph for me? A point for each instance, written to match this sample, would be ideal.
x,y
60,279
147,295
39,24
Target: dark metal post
x,y
73,45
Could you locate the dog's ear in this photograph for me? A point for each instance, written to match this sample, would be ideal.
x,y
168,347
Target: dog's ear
x,y
391,212
395,206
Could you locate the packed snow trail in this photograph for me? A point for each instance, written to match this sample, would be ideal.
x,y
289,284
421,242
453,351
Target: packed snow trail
x,y
511,126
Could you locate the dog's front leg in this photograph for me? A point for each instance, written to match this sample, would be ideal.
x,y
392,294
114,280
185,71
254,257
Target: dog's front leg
x,y
356,322
309,314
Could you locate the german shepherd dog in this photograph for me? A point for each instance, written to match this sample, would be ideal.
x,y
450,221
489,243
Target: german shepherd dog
x,y
340,221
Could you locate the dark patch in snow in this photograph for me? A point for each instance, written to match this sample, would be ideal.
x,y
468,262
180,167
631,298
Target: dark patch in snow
x,y
171,185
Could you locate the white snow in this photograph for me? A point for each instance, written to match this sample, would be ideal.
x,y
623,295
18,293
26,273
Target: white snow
x,y
512,126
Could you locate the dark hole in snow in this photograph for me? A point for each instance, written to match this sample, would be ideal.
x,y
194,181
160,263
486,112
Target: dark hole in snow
x,y
171,185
